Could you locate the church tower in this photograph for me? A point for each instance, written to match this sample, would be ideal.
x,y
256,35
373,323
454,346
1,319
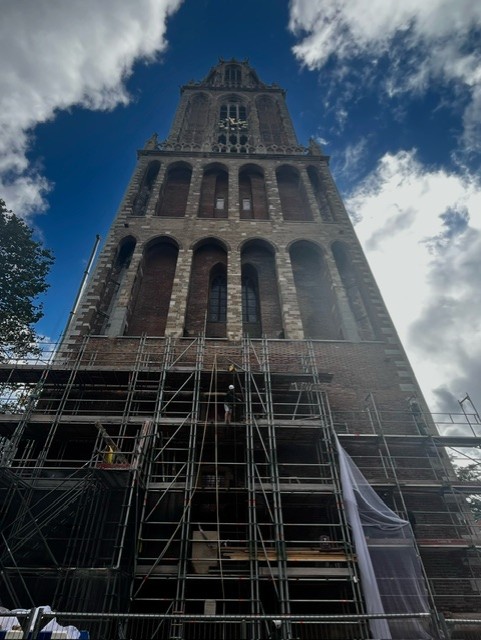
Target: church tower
x,y
325,499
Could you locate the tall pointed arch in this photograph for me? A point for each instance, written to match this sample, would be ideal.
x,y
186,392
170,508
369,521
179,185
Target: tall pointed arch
x,y
271,126
319,194
141,200
294,203
261,309
113,284
252,193
217,305
317,304
206,311
251,312
196,119
152,289
214,192
353,288
232,125
175,191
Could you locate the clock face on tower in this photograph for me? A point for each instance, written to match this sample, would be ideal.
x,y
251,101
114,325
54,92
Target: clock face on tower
x,y
233,124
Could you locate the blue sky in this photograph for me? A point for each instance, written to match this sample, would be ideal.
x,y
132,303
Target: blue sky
x,y
392,90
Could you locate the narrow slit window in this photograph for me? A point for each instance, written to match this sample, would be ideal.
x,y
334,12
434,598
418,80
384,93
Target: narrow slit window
x,y
218,299
250,307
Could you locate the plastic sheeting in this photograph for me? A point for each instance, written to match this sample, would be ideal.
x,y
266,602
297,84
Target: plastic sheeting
x,y
392,579
9,621
53,626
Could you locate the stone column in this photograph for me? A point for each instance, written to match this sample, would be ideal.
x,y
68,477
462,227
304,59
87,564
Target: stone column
x,y
291,317
348,321
234,296
193,199
273,198
180,291
118,315
233,193
311,198
337,210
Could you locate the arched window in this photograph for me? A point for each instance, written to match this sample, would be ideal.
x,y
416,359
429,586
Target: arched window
x,y
252,194
218,299
124,255
315,292
214,193
109,299
232,126
150,302
196,119
250,305
261,310
294,203
353,287
206,311
271,126
139,206
232,75
319,194
251,313
175,191
233,108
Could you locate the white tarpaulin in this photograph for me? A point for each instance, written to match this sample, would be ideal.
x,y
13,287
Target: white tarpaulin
x,y
391,574
8,621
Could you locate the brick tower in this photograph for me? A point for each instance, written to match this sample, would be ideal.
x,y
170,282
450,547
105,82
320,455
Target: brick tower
x,y
127,496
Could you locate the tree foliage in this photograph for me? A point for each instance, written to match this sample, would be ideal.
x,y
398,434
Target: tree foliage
x,y
472,473
24,265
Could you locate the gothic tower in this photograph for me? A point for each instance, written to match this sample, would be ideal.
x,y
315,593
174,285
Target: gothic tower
x,y
232,261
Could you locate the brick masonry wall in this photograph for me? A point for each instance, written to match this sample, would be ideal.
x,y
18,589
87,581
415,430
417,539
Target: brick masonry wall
x,y
151,305
174,199
264,263
234,232
450,579
361,370
295,206
317,304
205,258
252,187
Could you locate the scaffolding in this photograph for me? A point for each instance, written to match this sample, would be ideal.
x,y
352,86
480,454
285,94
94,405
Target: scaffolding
x,y
126,498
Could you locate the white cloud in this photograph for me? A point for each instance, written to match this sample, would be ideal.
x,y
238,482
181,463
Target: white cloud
x,y
425,41
321,140
421,230
351,160
56,54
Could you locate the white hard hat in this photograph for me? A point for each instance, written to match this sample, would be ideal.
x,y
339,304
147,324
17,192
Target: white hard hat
x,y
277,623
231,386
